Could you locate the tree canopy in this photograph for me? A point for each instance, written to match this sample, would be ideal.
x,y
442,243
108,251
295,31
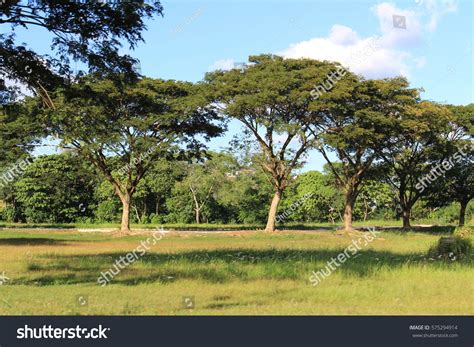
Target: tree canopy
x,y
134,123
89,32
271,97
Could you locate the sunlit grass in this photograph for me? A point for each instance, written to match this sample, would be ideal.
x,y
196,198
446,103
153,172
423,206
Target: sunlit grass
x,y
230,273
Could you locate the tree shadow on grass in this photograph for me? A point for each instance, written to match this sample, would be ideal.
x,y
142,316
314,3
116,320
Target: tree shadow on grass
x,y
214,266
433,230
31,241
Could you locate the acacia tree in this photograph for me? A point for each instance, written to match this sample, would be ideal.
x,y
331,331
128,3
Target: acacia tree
x,y
421,138
88,32
457,185
123,128
355,120
271,97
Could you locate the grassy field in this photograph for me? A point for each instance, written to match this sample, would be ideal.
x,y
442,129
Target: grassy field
x,y
250,273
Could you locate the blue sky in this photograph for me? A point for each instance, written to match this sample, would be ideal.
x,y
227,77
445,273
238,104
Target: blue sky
x,y
433,49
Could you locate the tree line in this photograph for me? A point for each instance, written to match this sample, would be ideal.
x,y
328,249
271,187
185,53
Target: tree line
x,y
222,188
379,129
122,123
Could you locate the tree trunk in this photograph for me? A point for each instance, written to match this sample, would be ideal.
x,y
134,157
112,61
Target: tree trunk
x,y
406,217
198,215
348,208
366,210
462,213
126,199
273,211
137,214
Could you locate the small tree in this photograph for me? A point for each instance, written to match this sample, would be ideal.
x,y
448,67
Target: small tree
x,y
55,188
201,182
123,128
311,198
271,97
373,198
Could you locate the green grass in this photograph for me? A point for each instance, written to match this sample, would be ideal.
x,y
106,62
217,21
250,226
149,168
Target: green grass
x,y
232,273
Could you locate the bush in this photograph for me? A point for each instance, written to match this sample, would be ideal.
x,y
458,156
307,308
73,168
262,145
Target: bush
x,y
156,218
9,214
107,211
452,248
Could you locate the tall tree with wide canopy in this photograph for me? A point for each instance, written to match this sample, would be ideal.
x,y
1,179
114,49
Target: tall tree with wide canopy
x,y
271,97
421,138
134,124
355,120
88,32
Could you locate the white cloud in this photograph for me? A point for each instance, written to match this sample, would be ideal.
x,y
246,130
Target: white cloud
x,y
223,64
411,36
437,9
343,35
376,56
420,62
368,57
381,56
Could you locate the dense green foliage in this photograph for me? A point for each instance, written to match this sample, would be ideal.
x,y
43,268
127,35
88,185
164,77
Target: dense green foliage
x,y
55,189
135,150
90,33
64,188
272,98
122,128
93,34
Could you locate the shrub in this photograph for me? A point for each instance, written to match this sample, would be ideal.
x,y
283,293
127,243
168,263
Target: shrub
x,y
157,218
452,248
9,214
107,211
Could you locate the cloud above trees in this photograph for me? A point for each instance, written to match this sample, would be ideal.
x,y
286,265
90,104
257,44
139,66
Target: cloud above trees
x,y
383,55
